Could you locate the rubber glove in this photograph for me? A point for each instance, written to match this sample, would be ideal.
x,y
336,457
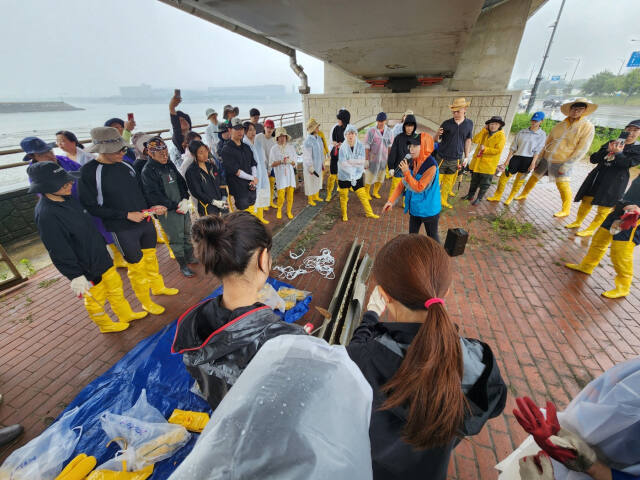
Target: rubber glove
x,y
183,206
192,421
391,172
376,302
219,204
585,457
78,468
111,475
80,285
536,467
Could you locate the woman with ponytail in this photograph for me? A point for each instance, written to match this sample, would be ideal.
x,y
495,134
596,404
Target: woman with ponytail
x,y
431,387
219,336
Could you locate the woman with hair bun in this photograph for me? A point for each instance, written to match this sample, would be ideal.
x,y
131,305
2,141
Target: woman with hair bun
x,y
72,148
431,387
219,336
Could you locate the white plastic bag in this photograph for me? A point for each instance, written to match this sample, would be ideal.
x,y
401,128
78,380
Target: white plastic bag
x,y
270,297
144,434
43,457
288,417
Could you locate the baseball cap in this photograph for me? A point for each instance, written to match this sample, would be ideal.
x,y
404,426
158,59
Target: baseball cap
x,y
634,123
49,177
269,123
236,124
253,112
414,140
381,117
538,117
35,145
209,112
111,121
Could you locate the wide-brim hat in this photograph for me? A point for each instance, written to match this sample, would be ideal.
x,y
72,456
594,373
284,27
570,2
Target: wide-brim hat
x,y
106,140
209,112
495,119
312,125
282,131
32,145
140,139
49,177
459,103
591,107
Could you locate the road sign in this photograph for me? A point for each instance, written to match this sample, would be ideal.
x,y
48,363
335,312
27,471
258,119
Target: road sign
x,y
634,60
555,78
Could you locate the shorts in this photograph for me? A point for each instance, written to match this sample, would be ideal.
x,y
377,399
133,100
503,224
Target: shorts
x,y
447,166
347,184
133,240
519,164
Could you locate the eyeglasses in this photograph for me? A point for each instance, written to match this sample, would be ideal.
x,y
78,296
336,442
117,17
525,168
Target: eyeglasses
x,y
123,150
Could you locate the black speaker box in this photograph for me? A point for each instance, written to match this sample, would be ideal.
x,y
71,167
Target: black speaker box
x,y
456,241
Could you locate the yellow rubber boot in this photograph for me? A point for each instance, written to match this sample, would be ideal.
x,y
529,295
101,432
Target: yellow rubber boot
x,y
118,259
94,303
311,200
280,203
367,190
376,189
502,184
528,187
344,200
260,215
445,187
455,178
272,183
115,296
583,211
599,244
317,197
141,285
153,273
386,173
394,184
622,260
517,185
565,195
331,182
290,191
364,200
601,215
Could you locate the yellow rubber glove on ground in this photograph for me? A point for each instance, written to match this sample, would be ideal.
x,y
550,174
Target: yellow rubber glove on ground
x,y
111,475
192,421
78,468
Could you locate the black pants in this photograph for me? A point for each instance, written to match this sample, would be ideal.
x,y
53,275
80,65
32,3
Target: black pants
x,y
480,181
347,184
430,225
447,166
131,241
519,164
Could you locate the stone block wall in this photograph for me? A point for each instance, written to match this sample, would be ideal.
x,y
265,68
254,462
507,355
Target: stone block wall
x,y
16,215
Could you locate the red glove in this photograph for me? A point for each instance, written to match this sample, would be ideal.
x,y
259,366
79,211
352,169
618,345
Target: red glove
x,y
629,220
533,421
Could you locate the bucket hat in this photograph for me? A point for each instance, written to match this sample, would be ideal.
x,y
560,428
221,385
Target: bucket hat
x,y
32,145
49,177
106,140
312,124
282,131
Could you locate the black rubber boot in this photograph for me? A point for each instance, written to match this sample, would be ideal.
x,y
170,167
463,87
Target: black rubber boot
x,y
184,268
472,191
10,433
480,197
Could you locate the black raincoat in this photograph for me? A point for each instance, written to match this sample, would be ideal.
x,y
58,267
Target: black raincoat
x,y
400,145
217,344
607,182
378,349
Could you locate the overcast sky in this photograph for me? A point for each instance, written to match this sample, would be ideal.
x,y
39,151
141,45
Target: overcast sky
x,y
91,47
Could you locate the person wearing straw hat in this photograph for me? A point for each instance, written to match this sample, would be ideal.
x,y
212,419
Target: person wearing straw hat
x,y
605,184
567,143
454,146
211,133
377,144
351,164
282,159
76,248
110,189
313,161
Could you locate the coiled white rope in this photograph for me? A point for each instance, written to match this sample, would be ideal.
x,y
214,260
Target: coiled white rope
x,y
322,264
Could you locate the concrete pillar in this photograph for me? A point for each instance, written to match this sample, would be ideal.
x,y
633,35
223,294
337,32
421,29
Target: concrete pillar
x,y
487,61
337,81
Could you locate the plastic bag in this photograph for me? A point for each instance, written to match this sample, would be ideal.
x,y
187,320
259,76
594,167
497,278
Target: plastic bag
x,y
144,435
287,417
43,457
270,297
292,296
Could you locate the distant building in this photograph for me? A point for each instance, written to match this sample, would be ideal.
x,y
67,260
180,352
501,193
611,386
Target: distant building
x,y
142,91
260,91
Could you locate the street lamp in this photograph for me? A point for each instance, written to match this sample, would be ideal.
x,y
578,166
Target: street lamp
x,y
573,59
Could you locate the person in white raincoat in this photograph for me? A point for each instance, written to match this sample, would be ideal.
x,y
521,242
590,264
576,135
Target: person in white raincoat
x,y
267,140
282,159
351,165
377,144
262,187
313,159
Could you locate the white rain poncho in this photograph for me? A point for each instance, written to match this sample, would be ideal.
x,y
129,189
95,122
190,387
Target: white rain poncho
x,y
262,188
351,161
378,145
285,174
606,414
313,158
300,409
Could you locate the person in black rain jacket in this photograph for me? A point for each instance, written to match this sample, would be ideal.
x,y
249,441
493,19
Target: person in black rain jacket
x,y
240,168
400,149
203,180
431,387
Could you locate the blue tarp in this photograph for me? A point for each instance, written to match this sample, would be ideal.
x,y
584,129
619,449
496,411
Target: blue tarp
x,y
148,365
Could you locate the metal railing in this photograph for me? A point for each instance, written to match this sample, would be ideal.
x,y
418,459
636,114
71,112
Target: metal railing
x,y
281,118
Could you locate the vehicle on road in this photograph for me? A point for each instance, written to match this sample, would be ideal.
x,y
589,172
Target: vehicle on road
x,y
552,102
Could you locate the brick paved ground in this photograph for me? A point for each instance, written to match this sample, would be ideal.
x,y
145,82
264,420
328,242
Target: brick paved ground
x,y
549,327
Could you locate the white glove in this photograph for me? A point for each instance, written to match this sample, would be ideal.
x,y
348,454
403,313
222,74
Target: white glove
x,y
586,457
376,302
219,204
391,172
536,467
183,206
80,285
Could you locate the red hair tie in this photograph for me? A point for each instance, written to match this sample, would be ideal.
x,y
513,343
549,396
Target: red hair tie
x,y
431,301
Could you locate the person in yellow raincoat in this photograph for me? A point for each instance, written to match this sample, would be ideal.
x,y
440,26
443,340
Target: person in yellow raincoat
x,y
483,165
567,143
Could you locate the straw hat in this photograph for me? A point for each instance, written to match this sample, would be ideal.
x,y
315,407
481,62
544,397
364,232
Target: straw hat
x,y
312,125
459,103
106,140
591,107
282,131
